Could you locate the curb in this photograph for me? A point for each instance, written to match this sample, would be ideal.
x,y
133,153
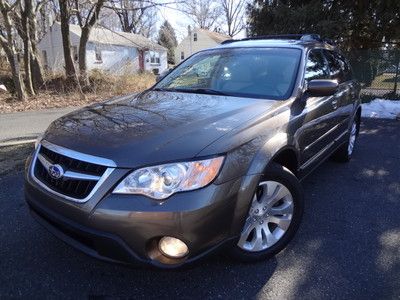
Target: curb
x,y
16,142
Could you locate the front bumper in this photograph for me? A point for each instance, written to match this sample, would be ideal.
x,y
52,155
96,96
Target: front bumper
x,y
127,228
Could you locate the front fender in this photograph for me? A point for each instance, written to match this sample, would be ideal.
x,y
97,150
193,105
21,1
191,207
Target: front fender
x,y
271,149
252,157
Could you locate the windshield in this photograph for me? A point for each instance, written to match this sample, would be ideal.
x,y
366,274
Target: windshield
x,y
243,72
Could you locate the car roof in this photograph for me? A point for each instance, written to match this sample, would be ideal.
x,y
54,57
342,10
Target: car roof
x,y
280,41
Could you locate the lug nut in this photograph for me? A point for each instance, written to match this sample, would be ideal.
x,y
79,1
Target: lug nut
x,y
264,208
257,211
261,222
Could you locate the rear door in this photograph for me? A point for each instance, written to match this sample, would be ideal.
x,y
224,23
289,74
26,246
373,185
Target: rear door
x,y
315,134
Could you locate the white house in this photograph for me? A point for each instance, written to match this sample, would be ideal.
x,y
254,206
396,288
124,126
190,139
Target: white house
x,y
196,40
114,52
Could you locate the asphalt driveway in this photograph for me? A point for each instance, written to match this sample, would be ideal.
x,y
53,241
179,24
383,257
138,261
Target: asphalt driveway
x,y
348,246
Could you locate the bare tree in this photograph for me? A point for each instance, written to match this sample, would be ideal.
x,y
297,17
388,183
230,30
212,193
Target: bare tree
x,y
36,66
25,19
25,33
233,15
87,14
134,16
8,41
204,13
138,16
69,63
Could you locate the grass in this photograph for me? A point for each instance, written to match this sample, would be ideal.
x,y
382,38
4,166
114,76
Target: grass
x,y
384,82
57,94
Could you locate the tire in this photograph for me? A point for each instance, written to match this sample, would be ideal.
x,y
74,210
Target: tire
x,y
345,151
283,201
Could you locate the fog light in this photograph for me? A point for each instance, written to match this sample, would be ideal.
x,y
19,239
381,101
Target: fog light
x,y
173,247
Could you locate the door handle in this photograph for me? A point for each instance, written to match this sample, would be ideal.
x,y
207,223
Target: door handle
x,y
335,103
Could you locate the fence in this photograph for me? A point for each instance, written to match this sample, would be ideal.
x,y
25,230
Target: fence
x,y
378,71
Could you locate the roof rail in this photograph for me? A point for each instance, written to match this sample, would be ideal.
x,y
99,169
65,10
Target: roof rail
x,y
303,37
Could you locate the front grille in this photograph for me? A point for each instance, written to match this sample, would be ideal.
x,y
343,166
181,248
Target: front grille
x,y
72,164
71,187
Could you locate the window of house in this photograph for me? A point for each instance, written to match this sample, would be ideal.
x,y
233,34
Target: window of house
x,y
195,37
97,52
45,60
74,50
182,55
154,58
316,66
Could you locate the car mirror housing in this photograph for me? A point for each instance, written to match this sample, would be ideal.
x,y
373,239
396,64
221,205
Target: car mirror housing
x,y
322,87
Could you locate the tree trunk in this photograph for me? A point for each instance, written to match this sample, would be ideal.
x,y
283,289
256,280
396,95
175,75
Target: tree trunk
x,y
27,46
90,22
27,64
69,64
36,66
19,87
37,71
82,56
7,42
17,78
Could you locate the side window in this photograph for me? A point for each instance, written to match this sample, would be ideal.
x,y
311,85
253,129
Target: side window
x,y
99,58
339,69
345,67
316,66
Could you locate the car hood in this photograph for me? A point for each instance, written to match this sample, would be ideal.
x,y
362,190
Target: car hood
x,y
153,127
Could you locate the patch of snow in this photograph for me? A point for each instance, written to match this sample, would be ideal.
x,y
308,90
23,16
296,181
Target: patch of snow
x,y
381,109
3,88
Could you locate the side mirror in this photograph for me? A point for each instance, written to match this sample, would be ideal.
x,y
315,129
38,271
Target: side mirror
x,y
322,87
163,74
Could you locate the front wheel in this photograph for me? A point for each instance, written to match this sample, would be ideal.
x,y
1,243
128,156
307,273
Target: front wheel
x,y
273,218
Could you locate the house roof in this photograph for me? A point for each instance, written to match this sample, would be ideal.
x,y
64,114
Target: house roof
x,y
103,35
216,36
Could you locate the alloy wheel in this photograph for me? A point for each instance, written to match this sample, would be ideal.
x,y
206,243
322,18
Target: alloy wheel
x,y
269,217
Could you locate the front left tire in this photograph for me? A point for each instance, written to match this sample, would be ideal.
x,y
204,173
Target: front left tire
x,y
273,218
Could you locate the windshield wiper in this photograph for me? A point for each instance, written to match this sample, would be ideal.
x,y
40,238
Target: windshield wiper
x,y
209,91
194,91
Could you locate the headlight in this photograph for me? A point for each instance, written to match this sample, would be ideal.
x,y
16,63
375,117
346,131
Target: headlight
x,y
160,182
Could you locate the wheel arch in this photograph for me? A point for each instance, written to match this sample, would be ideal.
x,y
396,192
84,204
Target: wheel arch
x,y
287,157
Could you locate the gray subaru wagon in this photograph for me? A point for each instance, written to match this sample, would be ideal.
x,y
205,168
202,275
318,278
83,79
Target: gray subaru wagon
x,y
211,157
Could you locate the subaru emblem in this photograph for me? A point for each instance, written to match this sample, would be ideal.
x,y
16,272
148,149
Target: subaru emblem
x,y
56,171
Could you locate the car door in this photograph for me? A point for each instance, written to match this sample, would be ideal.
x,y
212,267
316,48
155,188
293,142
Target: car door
x,y
315,135
344,98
